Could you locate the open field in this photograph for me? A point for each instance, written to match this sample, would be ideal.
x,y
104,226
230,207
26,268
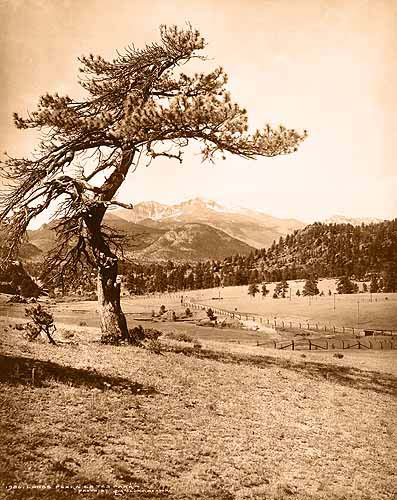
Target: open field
x,y
373,311
228,420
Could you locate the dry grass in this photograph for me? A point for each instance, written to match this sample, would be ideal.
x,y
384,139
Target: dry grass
x,y
226,421
375,311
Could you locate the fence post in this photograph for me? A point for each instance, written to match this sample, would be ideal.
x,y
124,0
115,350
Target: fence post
x,y
325,328
343,344
293,345
359,345
308,326
275,344
327,344
310,344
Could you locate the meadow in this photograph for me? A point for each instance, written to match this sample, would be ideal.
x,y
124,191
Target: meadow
x,y
361,311
210,417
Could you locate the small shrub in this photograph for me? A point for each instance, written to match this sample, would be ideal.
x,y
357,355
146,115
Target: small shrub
x,y
67,334
162,310
180,337
188,313
154,345
138,335
19,326
152,333
17,299
32,331
210,314
42,321
174,318
83,323
338,355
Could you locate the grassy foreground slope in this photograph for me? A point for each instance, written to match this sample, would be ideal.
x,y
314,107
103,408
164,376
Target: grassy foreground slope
x,y
229,422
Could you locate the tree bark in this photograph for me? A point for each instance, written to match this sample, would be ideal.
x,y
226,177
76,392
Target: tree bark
x,y
112,320
113,323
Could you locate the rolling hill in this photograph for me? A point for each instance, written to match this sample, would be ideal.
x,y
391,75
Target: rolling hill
x,y
190,241
193,242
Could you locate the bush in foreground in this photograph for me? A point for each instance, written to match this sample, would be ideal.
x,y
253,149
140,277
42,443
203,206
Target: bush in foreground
x,y
42,321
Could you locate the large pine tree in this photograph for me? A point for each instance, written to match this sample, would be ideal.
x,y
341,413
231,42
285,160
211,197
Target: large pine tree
x,y
140,105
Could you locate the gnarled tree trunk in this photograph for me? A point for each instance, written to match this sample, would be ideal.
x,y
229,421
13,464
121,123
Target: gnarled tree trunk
x,y
112,320
113,323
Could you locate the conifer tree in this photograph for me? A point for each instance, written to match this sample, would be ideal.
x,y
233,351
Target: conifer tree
x,y
345,285
264,290
310,287
374,284
253,289
140,106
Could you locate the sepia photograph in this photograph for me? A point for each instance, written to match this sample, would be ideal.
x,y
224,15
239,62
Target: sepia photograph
x,y
198,249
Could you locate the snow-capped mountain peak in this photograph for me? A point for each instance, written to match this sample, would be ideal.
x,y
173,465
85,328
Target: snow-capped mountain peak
x,y
354,221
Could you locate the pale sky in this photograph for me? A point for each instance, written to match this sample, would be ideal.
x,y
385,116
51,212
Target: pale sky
x,y
328,66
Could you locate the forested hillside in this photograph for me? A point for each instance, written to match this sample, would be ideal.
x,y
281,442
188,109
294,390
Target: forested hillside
x,y
318,250
330,250
321,250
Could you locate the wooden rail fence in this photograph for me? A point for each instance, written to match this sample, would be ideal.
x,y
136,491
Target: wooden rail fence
x,y
332,344
315,327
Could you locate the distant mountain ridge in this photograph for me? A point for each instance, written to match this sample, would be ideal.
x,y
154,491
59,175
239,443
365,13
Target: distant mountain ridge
x,y
354,221
254,228
178,242
193,230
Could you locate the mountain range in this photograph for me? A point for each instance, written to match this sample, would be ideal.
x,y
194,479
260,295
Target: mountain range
x,y
193,230
252,227
354,221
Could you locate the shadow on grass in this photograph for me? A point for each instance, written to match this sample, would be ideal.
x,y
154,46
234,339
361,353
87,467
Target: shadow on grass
x,y
343,375
18,370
